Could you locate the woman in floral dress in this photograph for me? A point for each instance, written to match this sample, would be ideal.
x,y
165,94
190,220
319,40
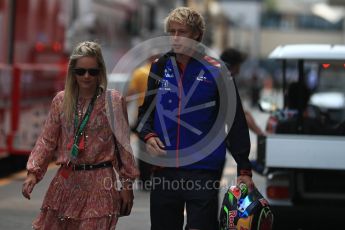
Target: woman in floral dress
x,y
87,145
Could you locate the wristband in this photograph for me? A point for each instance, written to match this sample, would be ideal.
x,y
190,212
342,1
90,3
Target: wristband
x,y
148,136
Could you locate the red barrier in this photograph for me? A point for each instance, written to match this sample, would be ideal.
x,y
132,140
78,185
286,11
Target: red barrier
x,y
21,118
5,84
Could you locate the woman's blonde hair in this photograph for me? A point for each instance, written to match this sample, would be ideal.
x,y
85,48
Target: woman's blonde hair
x,y
189,17
83,49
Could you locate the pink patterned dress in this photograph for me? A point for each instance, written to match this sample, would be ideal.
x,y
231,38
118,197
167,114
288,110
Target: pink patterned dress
x,y
85,199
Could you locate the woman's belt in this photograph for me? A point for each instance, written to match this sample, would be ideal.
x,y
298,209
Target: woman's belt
x,y
80,167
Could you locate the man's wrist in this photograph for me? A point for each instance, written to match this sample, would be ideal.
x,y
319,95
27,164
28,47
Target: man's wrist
x,y
245,172
148,136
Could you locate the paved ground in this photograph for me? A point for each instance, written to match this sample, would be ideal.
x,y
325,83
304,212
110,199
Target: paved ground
x,y
17,213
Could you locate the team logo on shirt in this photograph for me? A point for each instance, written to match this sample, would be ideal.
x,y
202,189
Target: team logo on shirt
x,y
168,73
164,85
202,78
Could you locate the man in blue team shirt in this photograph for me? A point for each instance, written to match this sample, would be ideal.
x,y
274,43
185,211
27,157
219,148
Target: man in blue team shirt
x,y
186,110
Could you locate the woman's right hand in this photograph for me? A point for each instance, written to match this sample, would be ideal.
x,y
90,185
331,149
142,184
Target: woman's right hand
x,y
29,185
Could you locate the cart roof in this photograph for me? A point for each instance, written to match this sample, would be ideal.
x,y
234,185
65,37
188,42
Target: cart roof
x,y
309,52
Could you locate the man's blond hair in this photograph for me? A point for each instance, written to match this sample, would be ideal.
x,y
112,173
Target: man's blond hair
x,y
189,17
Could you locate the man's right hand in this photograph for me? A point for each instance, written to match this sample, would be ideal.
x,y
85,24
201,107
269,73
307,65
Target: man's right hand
x,y
155,147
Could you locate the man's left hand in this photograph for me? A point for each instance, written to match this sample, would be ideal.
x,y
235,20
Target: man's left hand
x,y
246,180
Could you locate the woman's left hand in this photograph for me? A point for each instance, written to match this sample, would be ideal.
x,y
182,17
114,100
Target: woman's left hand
x,y
127,198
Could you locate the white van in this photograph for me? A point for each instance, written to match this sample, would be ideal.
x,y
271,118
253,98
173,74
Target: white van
x,y
305,173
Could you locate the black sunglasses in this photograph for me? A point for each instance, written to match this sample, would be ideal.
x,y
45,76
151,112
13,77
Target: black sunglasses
x,y
81,71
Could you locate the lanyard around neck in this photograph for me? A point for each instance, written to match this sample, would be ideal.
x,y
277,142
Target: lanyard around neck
x,y
80,129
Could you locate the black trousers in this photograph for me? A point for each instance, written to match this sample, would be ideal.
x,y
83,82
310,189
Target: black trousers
x,y
175,189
